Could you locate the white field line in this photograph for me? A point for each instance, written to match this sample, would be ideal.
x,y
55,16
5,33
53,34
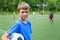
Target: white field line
x,y
2,31
43,15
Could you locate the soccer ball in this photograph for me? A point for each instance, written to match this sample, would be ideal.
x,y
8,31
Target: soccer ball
x,y
16,36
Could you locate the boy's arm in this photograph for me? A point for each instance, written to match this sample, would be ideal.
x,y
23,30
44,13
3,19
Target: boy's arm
x,y
5,36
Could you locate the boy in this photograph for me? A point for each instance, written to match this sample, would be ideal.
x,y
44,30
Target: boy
x,y
21,26
34,14
51,17
14,15
42,13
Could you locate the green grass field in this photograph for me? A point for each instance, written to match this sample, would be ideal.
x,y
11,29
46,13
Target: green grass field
x,y
41,26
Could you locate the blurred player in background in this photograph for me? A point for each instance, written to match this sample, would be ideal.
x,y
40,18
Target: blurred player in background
x,y
14,15
51,17
34,14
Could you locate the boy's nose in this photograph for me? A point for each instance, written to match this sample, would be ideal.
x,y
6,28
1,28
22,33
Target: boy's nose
x,y
25,13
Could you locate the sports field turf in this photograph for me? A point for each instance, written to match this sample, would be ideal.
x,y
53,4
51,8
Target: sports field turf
x,y
41,26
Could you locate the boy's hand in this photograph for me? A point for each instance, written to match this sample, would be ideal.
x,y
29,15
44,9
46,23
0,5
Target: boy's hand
x,y
5,36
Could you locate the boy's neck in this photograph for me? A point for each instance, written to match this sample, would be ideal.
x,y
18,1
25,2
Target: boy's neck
x,y
24,21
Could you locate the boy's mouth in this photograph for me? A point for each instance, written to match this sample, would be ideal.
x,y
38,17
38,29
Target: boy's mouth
x,y
24,17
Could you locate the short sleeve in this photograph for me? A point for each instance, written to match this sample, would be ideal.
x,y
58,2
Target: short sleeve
x,y
30,27
13,29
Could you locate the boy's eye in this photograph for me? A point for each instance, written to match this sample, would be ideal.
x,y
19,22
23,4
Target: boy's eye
x,y
26,12
22,12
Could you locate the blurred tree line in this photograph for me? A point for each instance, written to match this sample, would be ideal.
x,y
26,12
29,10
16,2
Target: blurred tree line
x,y
11,5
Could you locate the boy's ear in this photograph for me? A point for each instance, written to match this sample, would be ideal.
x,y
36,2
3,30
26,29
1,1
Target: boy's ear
x,y
18,11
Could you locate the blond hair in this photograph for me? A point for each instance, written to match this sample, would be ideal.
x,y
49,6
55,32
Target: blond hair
x,y
23,5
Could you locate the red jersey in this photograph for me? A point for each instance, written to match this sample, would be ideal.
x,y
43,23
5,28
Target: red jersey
x,y
51,16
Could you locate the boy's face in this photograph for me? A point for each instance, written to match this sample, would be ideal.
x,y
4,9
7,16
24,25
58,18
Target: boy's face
x,y
23,13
